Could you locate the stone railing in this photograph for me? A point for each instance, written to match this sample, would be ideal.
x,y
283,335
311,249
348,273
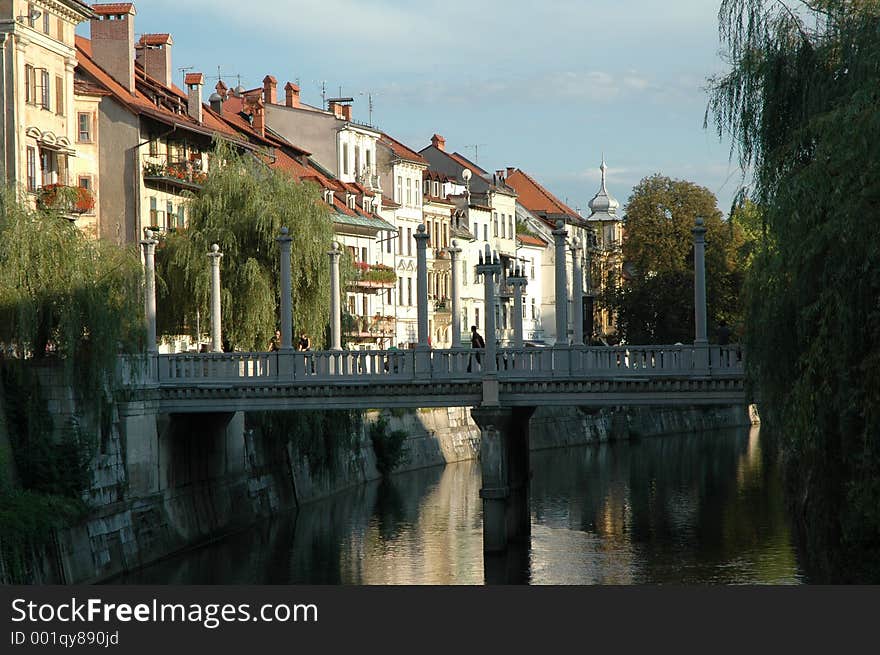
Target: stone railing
x,y
556,364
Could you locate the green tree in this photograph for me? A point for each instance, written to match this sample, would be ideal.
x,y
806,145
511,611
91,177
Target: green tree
x,y
801,102
242,207
657,304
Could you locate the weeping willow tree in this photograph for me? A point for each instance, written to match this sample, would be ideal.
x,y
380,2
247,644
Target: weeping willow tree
x,y
801,100
66,297
242,207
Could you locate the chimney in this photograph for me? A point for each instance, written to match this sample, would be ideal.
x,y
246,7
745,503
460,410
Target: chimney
x,y
222,90
154,56
259,115
112,35
194,82
292,91
499,175
336,109
346,112
438,142
510,170
270,95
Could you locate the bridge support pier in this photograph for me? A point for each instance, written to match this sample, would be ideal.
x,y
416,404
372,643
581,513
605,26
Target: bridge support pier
x,y
504,460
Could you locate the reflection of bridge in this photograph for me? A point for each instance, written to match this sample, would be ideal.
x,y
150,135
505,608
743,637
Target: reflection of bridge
x,y
503,385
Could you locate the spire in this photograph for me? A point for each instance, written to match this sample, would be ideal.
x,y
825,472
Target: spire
x,y
603,202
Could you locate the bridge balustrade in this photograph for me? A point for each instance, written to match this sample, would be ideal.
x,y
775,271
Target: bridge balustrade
x,y
573,363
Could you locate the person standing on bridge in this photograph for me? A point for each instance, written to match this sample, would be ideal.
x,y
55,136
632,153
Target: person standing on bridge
x,y
477,343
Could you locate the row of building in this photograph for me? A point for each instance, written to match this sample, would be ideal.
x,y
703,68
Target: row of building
x,y
98,124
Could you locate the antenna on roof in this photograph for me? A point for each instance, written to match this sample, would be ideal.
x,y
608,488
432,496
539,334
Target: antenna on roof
x,y
184,70
370,105
219,75
476,147
323,86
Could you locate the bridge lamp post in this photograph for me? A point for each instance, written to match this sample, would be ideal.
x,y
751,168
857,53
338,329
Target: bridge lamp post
x,y
454,252
559,235
335,299
149,244
701,343
421,236
216,336
577,291
489,267
284,241
518,281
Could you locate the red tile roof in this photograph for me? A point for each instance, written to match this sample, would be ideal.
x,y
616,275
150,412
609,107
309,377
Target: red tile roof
x,y
528,240
402,151
194,78
155,39
535,197
114,8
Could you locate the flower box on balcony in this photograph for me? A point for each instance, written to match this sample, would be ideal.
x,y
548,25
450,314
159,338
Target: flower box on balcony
x,y
66,199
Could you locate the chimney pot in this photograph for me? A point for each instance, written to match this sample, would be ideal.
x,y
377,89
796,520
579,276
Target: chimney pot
x,y
438,142
292,95
346,112
154,56
270,86
194,82
112,35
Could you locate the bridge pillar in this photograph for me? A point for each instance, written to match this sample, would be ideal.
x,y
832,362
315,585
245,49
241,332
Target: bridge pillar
x,y
504,460
216,316
701,343
149,244
559,235
335,299
454,252
577,291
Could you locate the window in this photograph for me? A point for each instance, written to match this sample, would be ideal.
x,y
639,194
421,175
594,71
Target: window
x,y
400,290
534,310
477,317
409,291
46,167
85,182
46,24
154,213
418,194
181,216
154,147
364,255
44,95
357,160
388,297
532,267
464,273
367,153
494,224
59,27
31,168
59,95
399,197
485,231
388,237
30,91
503,228
408,192
409,241
511,231
84,121
345,159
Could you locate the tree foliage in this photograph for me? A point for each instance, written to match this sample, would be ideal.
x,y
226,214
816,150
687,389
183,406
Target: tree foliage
x,y
656,305
65,296
801,102
242,207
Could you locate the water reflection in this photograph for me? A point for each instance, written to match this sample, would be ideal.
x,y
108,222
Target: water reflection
x,y
700,508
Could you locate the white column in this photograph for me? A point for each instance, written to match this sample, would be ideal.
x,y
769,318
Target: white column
x,y
577,291
149,244
335,300
421,237
559,235
286,291
699,283
216,336
454,252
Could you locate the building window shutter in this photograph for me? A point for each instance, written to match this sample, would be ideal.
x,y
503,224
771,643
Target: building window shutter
x,y
45,95
59,96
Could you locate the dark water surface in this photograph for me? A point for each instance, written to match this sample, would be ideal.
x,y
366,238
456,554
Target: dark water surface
x,y
700,508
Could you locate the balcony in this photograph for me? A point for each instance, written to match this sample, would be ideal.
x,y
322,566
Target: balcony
x,y
71,201
373,278
367,328
180,174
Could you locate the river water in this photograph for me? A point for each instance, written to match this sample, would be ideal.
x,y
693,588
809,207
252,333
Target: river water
x,y
692,509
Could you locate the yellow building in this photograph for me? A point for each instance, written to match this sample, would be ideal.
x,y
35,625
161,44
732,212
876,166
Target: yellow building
x,y
40,129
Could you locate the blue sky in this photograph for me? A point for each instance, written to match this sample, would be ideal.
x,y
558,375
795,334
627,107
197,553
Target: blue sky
x,y
544,86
